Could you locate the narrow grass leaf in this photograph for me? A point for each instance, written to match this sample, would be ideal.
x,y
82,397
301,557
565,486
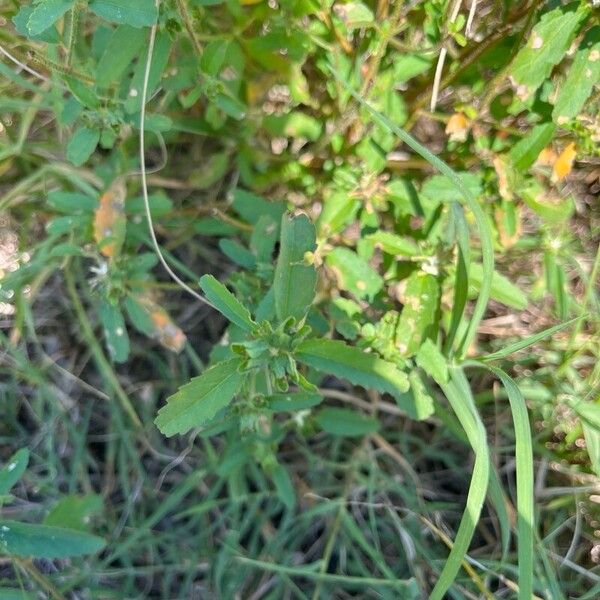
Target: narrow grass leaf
x,y
473,427
525,500
528,341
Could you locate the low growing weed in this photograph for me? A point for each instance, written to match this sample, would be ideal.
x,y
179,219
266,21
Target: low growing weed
x,y
299,299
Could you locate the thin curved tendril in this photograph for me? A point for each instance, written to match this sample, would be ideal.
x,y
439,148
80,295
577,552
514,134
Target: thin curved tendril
x,y
143,173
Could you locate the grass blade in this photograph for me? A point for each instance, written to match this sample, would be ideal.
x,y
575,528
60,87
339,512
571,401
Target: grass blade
x,y
529,341
473,426
524,461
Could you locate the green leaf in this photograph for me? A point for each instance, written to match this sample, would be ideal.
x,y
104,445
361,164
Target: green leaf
x,y
15,594
160,58
345,422
295,125
82,93
239,254
592,443
460,398
293,401
583,75
358,367
339,210
82,145
123,47
21,21
546,46
160,205
355,14
72,202
417,401
265,235
525,497
139,13
252,207
528,341
441,188
433,362
295,280
74,512
139,316
589,413
201,399
115,332
420,299
13,470
284,486
525,152
502,290
354,273
393,244
46,13
226,303
43,541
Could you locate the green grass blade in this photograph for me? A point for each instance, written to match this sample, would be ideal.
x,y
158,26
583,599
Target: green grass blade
x,y
485,233
525,500
461,283
528,341
473,426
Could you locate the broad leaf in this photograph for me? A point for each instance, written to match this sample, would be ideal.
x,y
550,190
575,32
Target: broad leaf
x,y
82,145
433,362
295,280
115,332
583,75
201,399
74,512
525,152
293,401
226,303
46,13
358,367
546,46
72,202
138,13
503,290
393,244
417,402
345,422
420,299
354,273
338,211
123,47
13,470
44,541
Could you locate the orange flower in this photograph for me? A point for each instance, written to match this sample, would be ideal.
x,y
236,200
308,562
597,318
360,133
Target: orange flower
x,y
109,220
458,127
564,163
546,158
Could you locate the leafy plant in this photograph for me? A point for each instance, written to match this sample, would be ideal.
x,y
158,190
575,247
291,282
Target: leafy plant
x,y
425,291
